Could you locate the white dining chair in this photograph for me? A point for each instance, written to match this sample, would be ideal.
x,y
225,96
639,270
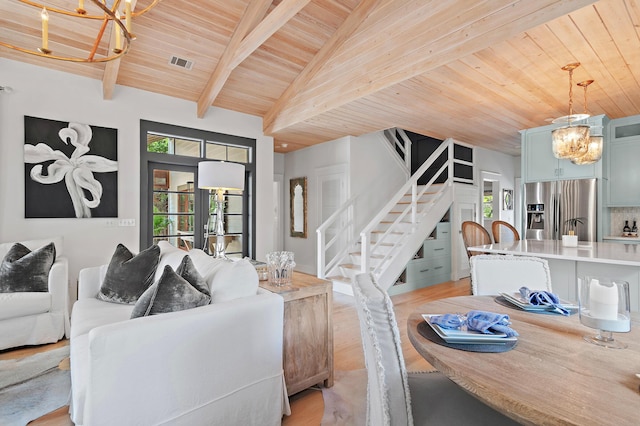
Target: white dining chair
x,y
492,274
396,397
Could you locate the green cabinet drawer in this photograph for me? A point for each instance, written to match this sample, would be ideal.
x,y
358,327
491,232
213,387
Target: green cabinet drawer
x,y
433,248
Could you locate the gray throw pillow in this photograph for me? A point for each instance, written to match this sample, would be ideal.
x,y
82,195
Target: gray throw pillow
x,y
188,271
128,276
170,294
23,270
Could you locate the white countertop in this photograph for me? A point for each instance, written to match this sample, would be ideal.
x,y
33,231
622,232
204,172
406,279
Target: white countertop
x,y
621,238
610,253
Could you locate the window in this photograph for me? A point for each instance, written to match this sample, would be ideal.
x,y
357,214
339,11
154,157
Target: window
x,y
172,208
487,206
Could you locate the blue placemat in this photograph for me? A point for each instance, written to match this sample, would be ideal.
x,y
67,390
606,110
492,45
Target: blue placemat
x,y
502,301
427,332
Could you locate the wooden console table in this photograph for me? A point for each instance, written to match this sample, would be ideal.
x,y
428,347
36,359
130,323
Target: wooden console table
x,y
308,331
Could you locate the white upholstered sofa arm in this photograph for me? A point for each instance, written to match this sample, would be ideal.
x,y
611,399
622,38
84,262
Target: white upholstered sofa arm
x,y
184,366
59,289
89,282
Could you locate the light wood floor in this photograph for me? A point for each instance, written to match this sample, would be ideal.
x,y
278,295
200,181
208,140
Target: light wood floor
x,y
307,406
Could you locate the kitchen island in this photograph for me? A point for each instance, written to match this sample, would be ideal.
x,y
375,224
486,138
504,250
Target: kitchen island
x,y
613,260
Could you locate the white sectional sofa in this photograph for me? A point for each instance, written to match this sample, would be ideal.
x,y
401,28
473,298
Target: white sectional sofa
x,y
35,318
216,364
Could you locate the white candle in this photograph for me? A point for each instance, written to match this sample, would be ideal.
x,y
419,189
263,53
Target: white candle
x,y
44,15
118,31
127,14
603,300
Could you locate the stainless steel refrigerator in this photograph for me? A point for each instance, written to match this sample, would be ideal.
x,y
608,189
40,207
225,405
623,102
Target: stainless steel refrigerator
x,y
550,207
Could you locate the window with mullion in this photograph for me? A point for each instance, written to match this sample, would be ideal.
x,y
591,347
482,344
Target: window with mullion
x,y
172,208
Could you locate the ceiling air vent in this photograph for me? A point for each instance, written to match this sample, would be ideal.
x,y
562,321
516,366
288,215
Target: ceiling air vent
x,y
181,62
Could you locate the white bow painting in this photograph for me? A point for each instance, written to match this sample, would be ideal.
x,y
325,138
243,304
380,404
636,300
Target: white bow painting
x,y
75,171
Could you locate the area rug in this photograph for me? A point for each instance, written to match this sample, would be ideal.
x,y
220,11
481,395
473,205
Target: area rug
x,y
33,386
345,403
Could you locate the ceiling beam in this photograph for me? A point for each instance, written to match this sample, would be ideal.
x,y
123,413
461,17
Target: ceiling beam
x,y
243,43
348,27
112,68
385,62
110,75
254,13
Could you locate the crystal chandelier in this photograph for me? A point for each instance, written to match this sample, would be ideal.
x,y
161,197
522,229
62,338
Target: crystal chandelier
x,y
109,14
570,141
595,144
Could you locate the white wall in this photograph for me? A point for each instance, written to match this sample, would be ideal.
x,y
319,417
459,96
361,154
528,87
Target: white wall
x,y
372,173
508,168
375,175
54,95
304,163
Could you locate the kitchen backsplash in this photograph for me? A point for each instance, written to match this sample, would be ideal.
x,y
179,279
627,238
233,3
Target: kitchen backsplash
x,y
620,214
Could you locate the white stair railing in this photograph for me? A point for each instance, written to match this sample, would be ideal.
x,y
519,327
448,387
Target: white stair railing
x,y
341,222
402,145
370,247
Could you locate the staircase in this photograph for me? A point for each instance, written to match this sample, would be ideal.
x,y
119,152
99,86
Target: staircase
x,y
393,236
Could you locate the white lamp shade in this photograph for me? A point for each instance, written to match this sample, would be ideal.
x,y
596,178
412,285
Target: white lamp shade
x,y
220,175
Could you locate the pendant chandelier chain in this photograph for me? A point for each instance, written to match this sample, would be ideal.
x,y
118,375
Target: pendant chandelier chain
x,y
570,94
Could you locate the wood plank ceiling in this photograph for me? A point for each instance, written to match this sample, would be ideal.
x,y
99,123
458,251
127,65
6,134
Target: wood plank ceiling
x,y
317,70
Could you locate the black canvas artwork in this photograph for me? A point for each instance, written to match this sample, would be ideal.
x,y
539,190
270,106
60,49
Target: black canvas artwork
x,y
70,169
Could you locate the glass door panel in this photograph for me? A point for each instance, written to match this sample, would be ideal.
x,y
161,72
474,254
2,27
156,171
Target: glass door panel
x,y
173,215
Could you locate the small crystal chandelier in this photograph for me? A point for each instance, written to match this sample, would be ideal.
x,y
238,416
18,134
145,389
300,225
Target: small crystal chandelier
x,y
595,145
106,11
570,141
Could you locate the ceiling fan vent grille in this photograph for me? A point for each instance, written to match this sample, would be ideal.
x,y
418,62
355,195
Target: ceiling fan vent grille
x,y
181,62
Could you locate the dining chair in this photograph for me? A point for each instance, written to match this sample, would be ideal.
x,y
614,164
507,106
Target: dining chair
x,y
504,232
492,274
474,234
396,397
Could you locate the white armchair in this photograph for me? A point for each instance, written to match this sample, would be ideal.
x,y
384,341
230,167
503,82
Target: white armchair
x,y
35,318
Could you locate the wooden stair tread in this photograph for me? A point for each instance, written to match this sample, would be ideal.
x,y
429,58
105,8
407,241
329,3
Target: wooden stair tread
x,y
339,278
349,266
399,223
409,202
373,256
382,244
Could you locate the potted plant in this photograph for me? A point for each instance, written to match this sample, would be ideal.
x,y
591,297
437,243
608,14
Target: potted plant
x,y
571,239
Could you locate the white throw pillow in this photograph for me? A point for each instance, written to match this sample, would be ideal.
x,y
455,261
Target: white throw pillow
x,y
234,280
206,265
169,255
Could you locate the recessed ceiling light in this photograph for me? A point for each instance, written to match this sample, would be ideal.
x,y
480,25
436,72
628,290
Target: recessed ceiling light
x,y
284,145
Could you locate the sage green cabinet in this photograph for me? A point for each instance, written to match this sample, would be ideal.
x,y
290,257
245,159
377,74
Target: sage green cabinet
x,y
433,263
539,163
623,162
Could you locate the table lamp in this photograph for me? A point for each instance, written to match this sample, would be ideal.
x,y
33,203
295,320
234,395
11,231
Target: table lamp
x,y
219,176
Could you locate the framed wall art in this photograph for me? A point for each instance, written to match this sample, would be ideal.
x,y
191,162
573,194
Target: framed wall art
x,y
298,206
70,169
507,199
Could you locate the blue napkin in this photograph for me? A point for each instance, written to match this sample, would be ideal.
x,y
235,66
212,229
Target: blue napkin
x,y
450,321
484,322
540,298
490,322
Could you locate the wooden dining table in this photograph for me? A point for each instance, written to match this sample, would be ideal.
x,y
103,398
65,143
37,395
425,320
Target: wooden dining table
x,y
551,377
